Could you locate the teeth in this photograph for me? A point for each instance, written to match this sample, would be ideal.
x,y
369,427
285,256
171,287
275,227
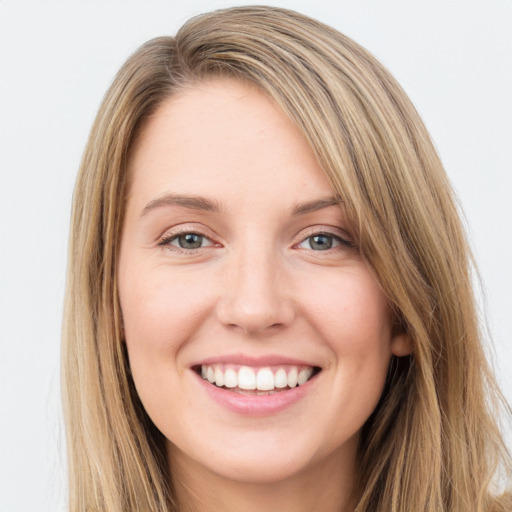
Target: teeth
x,y
246,378
219,377
293,375
230,378
263,379
304,375
281,379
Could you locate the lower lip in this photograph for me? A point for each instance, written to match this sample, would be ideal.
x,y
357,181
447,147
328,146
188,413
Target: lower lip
x,y
256,405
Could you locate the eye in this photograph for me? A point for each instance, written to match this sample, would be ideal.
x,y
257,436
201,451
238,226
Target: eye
x,y
187,241
323,242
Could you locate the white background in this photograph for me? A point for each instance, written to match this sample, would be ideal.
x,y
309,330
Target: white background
x,y
454,59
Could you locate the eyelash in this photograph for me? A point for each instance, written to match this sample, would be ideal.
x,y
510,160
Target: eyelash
x,y
342,242
166,241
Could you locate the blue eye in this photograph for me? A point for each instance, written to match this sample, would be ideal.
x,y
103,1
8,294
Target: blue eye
x,y
187,241
323,242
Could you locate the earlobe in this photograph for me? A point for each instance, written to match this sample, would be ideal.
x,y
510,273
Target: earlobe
x,y
401,345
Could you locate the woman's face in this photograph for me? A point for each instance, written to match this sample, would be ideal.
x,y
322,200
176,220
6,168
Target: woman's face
x,y
238,266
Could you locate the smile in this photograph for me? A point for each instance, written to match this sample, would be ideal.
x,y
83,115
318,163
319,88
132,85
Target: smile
x,y
256,381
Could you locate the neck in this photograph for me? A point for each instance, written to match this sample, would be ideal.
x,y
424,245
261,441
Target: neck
x,y
326,486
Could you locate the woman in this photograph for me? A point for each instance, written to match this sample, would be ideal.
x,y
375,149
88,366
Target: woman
x,y
269,298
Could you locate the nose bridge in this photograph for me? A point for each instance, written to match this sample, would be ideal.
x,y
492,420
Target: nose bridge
x,y
253,298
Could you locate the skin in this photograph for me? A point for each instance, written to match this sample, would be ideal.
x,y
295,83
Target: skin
x,y
255,287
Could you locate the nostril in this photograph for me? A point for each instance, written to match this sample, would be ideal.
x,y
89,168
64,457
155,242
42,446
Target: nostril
x,y
255,306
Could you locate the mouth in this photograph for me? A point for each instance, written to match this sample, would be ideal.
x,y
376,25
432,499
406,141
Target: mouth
x,y
256,381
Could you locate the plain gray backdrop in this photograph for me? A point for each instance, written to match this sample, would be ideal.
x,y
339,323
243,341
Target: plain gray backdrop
x,y
454,59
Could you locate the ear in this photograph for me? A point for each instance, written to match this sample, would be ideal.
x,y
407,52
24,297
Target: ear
x,y
401,344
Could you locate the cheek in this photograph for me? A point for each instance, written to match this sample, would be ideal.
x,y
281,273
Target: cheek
x,y
353,314
160,317
159,312
354,320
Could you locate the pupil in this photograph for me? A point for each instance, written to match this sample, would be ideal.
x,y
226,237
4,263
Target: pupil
x,y
190,241
320,242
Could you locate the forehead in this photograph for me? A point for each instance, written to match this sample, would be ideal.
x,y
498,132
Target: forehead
x,y
224,138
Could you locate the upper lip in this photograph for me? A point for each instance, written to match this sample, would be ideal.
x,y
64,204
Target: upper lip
x,y
257,362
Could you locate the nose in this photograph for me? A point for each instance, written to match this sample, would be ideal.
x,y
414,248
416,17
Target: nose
x,y
255,298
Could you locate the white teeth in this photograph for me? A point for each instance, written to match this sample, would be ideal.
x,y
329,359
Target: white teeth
x,y
304,375
230,378
219,377
293,375
246,378
281,379
263,379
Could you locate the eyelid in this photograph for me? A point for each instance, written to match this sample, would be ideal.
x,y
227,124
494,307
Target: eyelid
x,y
336,241
169,239
186,227
340,235
174,232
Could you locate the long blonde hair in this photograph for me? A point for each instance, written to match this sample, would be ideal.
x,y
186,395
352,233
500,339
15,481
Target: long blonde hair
x,y
433,443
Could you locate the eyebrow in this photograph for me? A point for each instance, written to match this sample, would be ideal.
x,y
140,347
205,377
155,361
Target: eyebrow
x,y
185,201
207,205
318,204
